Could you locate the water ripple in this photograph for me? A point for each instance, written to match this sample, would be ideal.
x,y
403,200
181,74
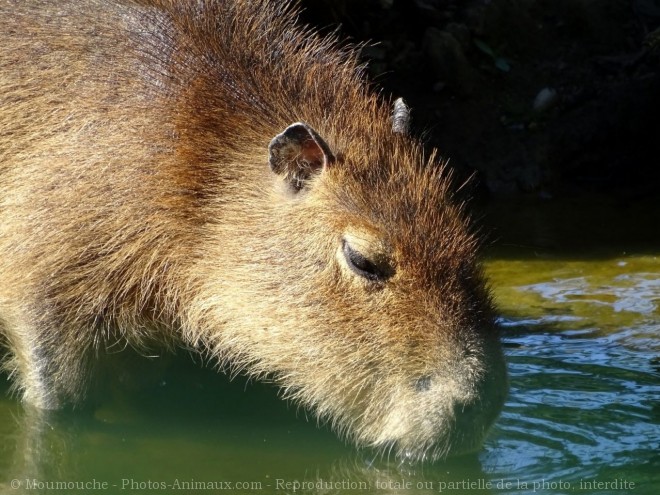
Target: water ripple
x,y
579,404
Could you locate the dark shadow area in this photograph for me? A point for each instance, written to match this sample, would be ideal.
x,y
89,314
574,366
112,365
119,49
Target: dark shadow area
x,y
587,226
544,98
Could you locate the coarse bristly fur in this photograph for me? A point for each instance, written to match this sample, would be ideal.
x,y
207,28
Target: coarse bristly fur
x,y
140,203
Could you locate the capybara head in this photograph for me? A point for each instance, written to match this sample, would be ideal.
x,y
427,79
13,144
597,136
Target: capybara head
x,y
362,293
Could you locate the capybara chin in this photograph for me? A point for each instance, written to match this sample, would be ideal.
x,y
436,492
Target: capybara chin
x,y
206,174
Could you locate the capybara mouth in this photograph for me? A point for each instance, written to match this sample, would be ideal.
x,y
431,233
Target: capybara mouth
x,y
439,438
436,416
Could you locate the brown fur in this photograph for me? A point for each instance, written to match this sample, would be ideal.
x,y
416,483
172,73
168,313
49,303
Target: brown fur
x,y
137,206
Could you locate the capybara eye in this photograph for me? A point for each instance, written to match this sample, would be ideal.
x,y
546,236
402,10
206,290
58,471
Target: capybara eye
x,y
361,265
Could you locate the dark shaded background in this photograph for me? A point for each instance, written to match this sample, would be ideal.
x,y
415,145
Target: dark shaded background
x,y
542,98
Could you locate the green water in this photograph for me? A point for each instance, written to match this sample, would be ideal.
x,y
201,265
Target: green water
x,y
581,316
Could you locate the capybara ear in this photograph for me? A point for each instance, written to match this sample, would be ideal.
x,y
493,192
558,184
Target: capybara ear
x,y
298,153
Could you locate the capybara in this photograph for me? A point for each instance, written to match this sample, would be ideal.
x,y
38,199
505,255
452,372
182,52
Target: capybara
x,y
206,174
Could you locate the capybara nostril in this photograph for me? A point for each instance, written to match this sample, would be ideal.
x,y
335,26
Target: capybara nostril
x,y
423,384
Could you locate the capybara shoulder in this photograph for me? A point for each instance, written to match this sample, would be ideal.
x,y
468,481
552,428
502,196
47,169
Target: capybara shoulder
x,y
208,174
